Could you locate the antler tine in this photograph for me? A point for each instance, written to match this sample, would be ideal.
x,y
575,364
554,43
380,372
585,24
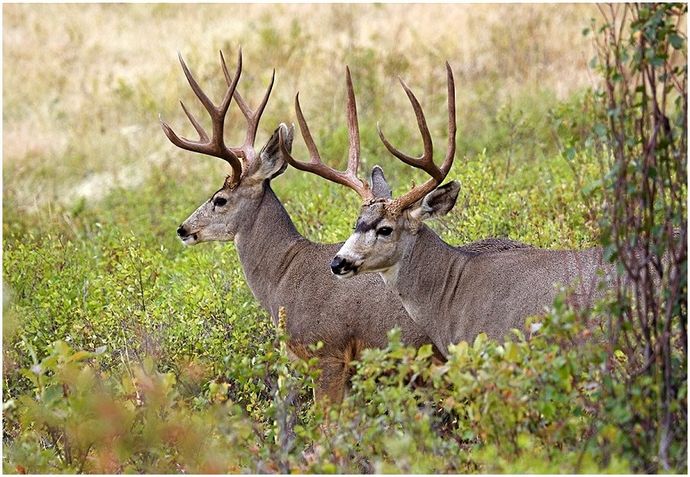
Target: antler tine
x,y
217,113
316,166
352,127
426,161
253,117
215,146
200,130
452,123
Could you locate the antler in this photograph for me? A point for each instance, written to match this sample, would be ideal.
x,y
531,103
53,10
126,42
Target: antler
x,y
215,146
348,177
426,160
247,150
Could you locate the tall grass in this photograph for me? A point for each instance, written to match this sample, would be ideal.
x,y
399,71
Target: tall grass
x,y
83,84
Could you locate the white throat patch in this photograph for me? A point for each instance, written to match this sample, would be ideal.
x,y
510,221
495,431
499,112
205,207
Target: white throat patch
x,y
390,275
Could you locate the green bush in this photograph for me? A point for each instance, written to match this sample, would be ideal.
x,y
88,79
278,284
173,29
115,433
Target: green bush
x,y
117,341
534,405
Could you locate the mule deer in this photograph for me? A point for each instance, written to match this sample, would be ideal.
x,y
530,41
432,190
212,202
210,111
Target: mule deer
x,y
452,293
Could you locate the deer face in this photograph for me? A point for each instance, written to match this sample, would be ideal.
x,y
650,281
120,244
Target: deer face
x,y
383,234
374,246
234,205
218,218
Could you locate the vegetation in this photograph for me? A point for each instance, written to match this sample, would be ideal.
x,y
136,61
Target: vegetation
x,y
125,352
645,217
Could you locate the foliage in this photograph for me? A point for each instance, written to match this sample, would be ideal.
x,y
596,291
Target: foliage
x,y
83,419
642,56
489,407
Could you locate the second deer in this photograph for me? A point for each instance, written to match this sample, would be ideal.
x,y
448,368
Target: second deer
x,y
451,292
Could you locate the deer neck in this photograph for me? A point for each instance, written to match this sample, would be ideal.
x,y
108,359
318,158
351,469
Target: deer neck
x,y
425,279
266,246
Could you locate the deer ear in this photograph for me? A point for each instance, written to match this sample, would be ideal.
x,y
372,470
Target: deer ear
x,y
379,186
271,160
436,203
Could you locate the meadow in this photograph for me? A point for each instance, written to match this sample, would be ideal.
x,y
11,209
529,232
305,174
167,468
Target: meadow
x,y
124,351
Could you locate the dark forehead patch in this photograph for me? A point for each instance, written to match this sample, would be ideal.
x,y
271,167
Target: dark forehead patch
x,y
370,217
216,193
364,226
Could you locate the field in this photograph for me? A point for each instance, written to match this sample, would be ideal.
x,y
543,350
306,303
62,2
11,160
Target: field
x,y
124,351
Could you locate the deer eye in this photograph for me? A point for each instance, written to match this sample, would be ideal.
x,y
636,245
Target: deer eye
x,y
384,231
219,201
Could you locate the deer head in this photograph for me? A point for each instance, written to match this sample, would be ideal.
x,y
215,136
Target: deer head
x,y
233,205
386,226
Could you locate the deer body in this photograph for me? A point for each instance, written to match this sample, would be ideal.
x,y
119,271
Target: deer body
x,y
284,269
454,295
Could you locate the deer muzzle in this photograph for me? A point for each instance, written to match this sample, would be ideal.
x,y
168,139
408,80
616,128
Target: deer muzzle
x,y
342,267
186,237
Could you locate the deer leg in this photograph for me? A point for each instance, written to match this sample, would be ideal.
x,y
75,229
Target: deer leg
x,y
330,388
336,372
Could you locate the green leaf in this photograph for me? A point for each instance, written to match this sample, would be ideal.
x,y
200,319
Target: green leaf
x,y
480,342
657,61
51,394
600,130
591,187
79,356
425,352
570,153
676,41
512,352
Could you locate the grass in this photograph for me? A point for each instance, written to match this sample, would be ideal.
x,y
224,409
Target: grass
x,y
87,90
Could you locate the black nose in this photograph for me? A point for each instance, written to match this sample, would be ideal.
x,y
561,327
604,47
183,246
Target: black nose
x,y
181,232
340,266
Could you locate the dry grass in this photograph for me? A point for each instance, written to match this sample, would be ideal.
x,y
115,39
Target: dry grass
x,y
83,84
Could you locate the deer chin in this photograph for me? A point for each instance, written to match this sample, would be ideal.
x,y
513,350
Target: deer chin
x,y
190,239
348,274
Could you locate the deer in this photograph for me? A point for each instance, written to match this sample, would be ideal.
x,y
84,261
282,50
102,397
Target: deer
x,y
282,268
452,293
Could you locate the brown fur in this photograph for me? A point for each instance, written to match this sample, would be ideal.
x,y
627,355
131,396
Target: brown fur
x,y
335,357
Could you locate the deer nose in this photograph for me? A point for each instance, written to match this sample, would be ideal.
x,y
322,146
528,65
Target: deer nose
x,y
181,232
340,266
